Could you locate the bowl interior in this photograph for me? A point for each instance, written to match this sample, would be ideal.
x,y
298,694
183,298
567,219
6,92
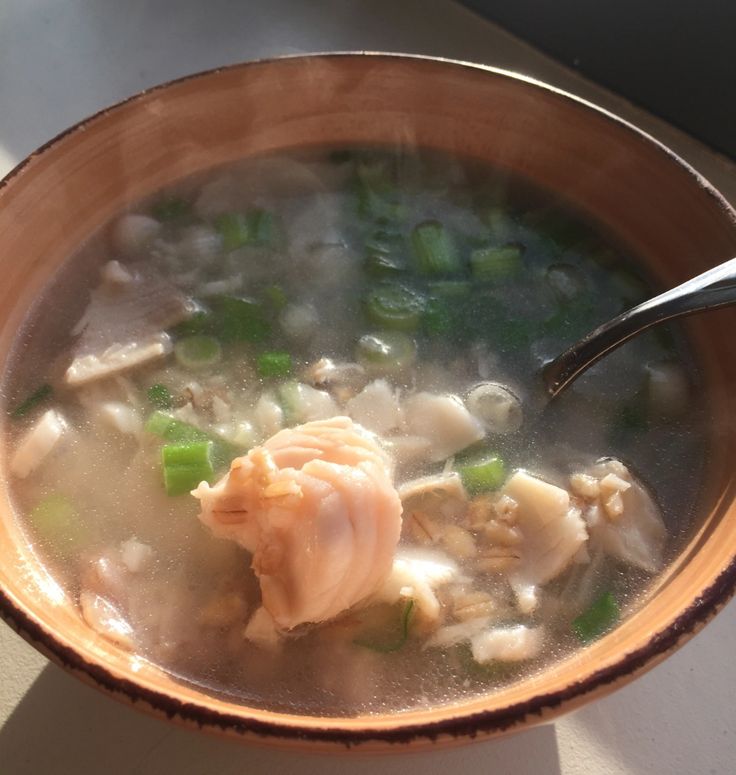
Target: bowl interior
x,y
633,186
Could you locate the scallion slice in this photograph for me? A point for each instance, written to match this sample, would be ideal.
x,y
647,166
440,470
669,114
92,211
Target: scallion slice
x,y
392,643
37,397
198,352
483,476
603,613
388,352
435,251
186,465
160,396
234,229
395,307
497,263
274,365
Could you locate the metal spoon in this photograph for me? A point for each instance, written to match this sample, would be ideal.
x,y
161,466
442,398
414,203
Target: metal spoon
x,y
712,289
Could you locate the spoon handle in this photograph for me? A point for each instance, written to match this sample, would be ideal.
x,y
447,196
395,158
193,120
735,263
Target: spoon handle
x,y
712,289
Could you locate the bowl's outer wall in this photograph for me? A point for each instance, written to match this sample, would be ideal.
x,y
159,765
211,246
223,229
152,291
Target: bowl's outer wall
x,y
640,191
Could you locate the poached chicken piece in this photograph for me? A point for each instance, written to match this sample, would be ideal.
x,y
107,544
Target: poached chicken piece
x,y
317,508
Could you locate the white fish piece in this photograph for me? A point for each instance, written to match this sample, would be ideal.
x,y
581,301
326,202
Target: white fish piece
x,y
134,231
299,321
638,534
135,555
261,630
444,420
116,359
553,532
316,506
121,417
303,403
38,443
453,634
104,618
442,486
406,450
376,407
507,644
269,415
417,573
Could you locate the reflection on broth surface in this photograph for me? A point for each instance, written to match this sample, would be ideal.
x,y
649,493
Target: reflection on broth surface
x,y
361,331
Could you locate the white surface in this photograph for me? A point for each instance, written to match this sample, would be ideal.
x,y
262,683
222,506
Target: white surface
x,y
60,61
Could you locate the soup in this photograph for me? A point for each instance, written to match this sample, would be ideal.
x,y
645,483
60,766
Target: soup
x,y
337,354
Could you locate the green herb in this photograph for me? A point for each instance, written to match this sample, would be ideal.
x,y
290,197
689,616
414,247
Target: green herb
x,y
435,251
393,642
598,619
494,264
186,465
483,476
438,318
197,352
238,320
38,396
160,396
376,195
276,297
274,365
395,307
234,230
386,353
175,432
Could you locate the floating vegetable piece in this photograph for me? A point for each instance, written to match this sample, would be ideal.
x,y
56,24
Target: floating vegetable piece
x,y
598,619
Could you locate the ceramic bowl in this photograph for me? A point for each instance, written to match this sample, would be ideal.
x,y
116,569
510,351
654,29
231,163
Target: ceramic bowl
x,y
650,199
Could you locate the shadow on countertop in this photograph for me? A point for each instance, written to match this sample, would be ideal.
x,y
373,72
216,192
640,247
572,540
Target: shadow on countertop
x,y
66,728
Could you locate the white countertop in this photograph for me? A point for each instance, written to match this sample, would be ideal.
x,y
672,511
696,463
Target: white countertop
x,y
61,61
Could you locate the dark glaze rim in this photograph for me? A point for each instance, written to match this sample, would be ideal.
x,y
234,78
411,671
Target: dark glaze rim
x,y
485,723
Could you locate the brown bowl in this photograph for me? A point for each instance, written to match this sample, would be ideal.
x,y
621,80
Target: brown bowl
x,y
641,191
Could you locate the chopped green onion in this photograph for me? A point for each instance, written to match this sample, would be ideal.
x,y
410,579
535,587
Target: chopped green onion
x,y
160,396
239,320
56,520
395,643
170,429
276,296
199,322
598,619
171,209
197,352
376,194
395,307
274,365
38,396
234,230
186,465
434,249
386,353
489,264
175,431
483,476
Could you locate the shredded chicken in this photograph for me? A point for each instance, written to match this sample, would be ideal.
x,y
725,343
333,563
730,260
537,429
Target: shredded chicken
x,y
317,508
507,644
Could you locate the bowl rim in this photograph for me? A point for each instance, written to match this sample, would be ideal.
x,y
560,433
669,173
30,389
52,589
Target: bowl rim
x,y
540,707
